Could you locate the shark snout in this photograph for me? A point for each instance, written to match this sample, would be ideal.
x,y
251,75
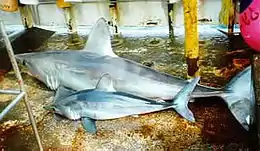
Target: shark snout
x,y
19,58
23,58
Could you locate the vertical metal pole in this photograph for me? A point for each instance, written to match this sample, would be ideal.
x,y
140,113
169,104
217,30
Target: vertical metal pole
x,y
74,38
26,15
70,20
113,8
21,83
171,15
254,140
232,18
227,14
191,36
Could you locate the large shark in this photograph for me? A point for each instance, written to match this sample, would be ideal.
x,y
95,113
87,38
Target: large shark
x,y
79,70
103,103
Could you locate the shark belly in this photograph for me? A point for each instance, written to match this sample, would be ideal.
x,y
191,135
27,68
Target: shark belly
x,y
114,113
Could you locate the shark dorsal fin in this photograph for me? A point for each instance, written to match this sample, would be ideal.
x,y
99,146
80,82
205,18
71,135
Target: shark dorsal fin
x,y
105,83
99,41
63,92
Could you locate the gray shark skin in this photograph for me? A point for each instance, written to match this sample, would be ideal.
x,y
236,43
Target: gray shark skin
x,y
80,70
104,103
241,97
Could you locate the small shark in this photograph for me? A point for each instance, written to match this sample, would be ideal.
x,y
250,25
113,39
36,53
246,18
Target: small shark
x,y
80,70
104,103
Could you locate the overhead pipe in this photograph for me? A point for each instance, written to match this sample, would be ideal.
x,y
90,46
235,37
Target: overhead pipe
x,y
36,10
29,2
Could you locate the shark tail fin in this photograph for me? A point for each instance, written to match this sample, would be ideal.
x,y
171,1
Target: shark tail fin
x,y
239,96
237,82
181,100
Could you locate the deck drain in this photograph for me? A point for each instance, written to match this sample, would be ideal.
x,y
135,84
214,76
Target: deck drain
x,y
148,63
154,42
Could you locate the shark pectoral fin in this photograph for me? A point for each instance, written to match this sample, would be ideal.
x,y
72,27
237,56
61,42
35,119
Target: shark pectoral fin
x,y
62,92
89,125
105,83
186,113
99,41
181,100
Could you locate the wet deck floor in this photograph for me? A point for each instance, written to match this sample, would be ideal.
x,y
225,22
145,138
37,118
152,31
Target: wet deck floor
x,y
215,127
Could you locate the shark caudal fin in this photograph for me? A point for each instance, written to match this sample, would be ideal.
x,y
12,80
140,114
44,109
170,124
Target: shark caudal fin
x,y
181,100
99,39
239,96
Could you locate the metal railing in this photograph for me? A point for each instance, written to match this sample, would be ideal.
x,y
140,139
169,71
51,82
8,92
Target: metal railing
x,y
20,93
